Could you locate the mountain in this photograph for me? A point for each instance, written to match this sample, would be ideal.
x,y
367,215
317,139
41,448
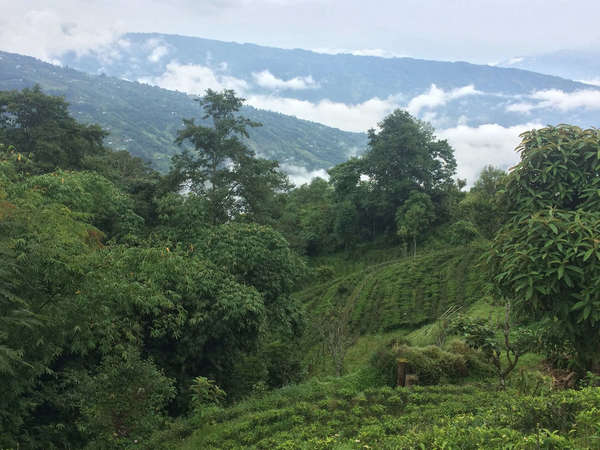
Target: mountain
x,y
144,119
583,65
445,93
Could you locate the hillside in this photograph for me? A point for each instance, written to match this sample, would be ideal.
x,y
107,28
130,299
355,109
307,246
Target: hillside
x,y
402,292
272,73
144,119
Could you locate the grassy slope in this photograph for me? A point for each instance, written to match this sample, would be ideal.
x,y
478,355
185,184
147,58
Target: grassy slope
x,y
399,297
341,414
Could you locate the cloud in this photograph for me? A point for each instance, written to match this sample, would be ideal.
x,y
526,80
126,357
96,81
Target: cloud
x,y
379,52
557,99
158,53
45,34
358,117
194,79
267,80
513,61
438,97
300,175
592,81
476,147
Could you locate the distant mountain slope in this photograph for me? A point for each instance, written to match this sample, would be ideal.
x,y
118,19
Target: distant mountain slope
x,y
581,65
348,79
144,119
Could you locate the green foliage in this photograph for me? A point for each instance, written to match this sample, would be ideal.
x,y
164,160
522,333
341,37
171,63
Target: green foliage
x,y
546,255
402,293
122,403
307,219
205,392
414,217
404,157
222,168
462,232
257,256
431,364
337,413
40,125
481,335
93,196
558,170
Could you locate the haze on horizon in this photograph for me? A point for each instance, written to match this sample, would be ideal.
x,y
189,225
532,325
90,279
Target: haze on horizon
x,y
483,31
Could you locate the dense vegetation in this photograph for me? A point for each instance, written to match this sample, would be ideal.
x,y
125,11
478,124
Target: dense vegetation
x,y
210,307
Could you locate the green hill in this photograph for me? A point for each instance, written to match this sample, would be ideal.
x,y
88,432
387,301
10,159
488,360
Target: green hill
x,y
404,292
144,119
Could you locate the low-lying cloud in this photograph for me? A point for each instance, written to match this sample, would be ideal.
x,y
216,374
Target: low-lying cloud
x,y
476,147
267,80
195,79
158,53
300,175
557,99
436,97
349,117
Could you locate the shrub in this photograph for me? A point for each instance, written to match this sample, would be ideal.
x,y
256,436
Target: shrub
x,y
431,364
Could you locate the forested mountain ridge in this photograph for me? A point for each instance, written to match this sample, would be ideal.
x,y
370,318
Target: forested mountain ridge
x,y
144,119
495,94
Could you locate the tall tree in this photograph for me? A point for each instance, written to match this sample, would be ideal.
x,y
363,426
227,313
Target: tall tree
x,y
547,255
40,125
222,168
405,156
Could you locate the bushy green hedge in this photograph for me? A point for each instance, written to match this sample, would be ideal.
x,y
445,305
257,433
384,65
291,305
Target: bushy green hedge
x,y
431,364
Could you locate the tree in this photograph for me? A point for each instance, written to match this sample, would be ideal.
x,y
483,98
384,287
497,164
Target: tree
x,y
481,335
41,125
547,256
222,168
483,206
414,217
404,156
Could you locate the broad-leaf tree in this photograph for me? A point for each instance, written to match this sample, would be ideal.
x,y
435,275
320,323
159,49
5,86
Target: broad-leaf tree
x,y
40,125
547,256
221,168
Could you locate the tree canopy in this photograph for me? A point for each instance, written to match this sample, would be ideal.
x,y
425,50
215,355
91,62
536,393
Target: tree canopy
x,y
547,255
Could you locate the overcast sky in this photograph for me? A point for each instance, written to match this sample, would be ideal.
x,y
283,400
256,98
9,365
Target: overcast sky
x,y
481,31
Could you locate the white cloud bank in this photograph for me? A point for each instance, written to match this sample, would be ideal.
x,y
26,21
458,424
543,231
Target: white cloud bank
x,y
267,80
195,79
557,99
358,117
436,97
476,147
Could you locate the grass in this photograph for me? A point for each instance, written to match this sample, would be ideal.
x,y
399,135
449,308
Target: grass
x,y
343,414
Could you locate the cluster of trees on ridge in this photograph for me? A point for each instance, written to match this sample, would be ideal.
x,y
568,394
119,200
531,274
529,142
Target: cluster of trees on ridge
x,y
121,295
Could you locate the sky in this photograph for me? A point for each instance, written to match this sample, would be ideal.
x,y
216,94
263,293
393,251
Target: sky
x,y
478,31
